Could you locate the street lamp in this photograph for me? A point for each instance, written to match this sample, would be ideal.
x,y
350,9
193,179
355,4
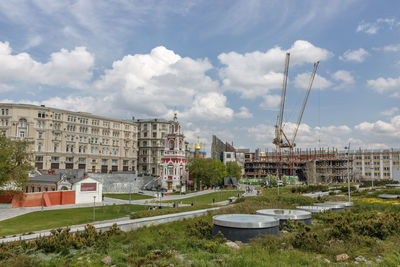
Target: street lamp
x,y
94,208
348,171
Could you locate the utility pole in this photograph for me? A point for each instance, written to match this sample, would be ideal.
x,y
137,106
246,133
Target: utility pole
x,y
348,171
94,208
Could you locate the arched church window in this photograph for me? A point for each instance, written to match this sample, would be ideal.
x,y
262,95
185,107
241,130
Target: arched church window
x,y
171,145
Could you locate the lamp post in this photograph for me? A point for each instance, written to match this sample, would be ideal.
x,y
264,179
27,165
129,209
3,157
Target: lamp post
x,y
348,170
372,176
94,208
130,192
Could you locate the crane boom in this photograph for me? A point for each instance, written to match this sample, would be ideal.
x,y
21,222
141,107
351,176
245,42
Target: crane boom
x,y
305,102
278,126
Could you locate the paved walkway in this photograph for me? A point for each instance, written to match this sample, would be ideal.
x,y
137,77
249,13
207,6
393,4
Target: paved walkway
x,y
6,212
125,224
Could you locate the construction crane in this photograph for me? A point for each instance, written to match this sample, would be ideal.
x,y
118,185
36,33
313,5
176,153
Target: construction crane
x,y
279,133
281,140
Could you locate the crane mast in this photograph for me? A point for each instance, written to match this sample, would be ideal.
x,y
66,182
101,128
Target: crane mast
x,y
305,101
278,126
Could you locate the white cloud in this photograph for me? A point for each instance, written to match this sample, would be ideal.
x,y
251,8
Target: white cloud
x,y
307,136
209,107
152,84
270,102
380,130
64,68
392,48
344,78
354,55
244,113
255,74
372,28
302,81
384,84
390,112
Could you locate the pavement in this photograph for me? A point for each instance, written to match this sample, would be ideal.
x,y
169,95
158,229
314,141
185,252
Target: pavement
x,y
6,212
125,224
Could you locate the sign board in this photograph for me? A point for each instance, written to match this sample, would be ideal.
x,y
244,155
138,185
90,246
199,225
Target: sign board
x,y
88,186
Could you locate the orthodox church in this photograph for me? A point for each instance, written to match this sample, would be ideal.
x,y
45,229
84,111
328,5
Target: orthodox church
x,y
174,174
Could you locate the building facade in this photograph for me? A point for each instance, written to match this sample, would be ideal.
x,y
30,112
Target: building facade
x,y
376,164
151,142
174,159
61,139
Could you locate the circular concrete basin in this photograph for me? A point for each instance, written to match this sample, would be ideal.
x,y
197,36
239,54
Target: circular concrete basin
x,y
285,214
334,207
314,209
242,227
347,204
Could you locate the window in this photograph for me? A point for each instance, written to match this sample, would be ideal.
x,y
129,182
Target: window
x,y
39,147
84,120
163,127
144,143
4,122
39,158
171,145
69,159
21,134
104,162
82,160
116,125
55,159
55,147
70,128
22,123
4,133
228,156
106,124
57,126
40,135
4,111
115,133
106,132
127,127
114,162
41,114
170,171
57,116
154,126
40,124
145,126
96,122
125,163
154,134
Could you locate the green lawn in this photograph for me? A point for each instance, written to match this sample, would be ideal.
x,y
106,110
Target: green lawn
x,y
208,198
56,218
126,196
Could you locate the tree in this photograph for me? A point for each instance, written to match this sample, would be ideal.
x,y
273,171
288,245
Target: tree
x,y
207,171
14,162
233,169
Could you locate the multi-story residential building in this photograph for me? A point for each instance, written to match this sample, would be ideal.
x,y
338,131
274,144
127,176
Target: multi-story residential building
x,y
376,164
61,139
151,139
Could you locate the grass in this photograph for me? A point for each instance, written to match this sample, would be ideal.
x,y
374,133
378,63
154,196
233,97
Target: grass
x,y
190,242
126,196
208,198
50,219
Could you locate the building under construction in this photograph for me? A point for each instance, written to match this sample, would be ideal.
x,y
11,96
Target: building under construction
x,y
311,165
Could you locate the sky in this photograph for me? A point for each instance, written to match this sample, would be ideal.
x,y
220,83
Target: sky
x,y
219,63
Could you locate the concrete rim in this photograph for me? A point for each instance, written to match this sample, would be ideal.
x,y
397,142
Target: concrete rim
x,y
286,214
245,221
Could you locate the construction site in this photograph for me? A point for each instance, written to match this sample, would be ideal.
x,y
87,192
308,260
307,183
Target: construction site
x,y
311,166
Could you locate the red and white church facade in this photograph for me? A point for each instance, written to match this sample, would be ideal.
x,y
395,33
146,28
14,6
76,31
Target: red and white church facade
x,y
174,176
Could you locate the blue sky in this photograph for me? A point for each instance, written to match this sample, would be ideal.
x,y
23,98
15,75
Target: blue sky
x,y
219,62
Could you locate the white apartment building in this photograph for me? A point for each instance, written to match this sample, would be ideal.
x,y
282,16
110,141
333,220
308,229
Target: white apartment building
x,y
61,139
376,164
